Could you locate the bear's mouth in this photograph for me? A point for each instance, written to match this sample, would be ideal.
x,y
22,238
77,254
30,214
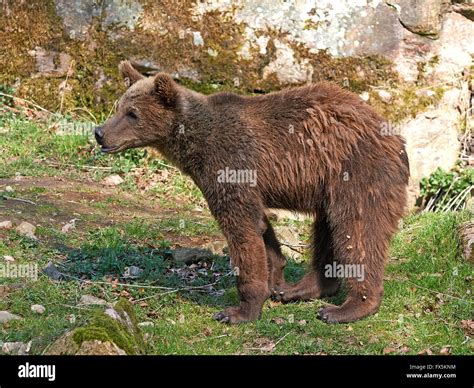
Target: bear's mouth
x,y
111,150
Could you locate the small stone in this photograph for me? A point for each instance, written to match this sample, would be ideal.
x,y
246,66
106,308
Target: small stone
x,y
6,316
146,324
38,309
69,226
16,348
71,319
212,52
87,300
197,38
388,350
384,95
291,318
6,225
52,272
466,235
113,180
190,255
365,96
278,321
9,189
26,229
9,258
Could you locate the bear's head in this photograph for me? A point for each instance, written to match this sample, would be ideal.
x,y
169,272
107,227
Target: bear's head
x,y
145,115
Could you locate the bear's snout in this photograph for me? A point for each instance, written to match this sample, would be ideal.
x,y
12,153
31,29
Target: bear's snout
x,y
99,135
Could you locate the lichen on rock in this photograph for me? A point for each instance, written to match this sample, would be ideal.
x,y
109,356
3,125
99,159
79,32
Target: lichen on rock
x,y
114,331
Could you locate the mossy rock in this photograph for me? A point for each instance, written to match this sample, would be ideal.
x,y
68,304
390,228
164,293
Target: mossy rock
x,y
110,332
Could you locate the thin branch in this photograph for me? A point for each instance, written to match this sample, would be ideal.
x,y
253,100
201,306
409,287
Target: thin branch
x,y
86,281
63,92
19,200
190,288
27,101
440,293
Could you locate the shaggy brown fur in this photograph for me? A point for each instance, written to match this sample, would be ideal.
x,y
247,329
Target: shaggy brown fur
x,y
316,149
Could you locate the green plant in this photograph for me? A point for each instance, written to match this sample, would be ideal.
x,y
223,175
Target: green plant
x,y
5,93
444,191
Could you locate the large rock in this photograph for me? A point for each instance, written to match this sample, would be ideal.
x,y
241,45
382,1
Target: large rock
x,y
432,138
421,17
291,246
50,63
282,215
454,48
114,331
78,15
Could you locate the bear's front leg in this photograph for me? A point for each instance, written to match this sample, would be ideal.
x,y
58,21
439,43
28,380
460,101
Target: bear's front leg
x,y
249,261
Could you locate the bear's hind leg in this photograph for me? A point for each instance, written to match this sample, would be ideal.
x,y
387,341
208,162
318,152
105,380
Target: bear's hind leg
x,y
360,241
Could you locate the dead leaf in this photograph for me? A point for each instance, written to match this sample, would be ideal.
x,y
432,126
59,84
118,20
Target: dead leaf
x,y
426,351
278,321
388,350
468,326
445,350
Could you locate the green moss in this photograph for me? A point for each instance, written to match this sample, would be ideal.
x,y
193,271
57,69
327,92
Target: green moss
x,y
355,73
106,329
406,102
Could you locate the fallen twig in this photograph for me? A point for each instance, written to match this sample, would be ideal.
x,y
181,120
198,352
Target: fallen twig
x,y
26,101
210,338
189,288
18,199
87,281
440,293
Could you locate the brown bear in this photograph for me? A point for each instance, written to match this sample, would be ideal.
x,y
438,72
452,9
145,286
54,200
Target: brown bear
x,y
316,149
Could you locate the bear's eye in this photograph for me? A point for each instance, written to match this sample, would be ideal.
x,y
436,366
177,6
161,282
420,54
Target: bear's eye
x,y
131,114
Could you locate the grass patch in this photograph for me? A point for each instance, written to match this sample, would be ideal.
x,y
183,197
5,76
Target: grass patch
x,y
427,295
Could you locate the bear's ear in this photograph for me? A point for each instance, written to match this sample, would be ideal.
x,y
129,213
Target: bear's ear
x,y
129,73
166,89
